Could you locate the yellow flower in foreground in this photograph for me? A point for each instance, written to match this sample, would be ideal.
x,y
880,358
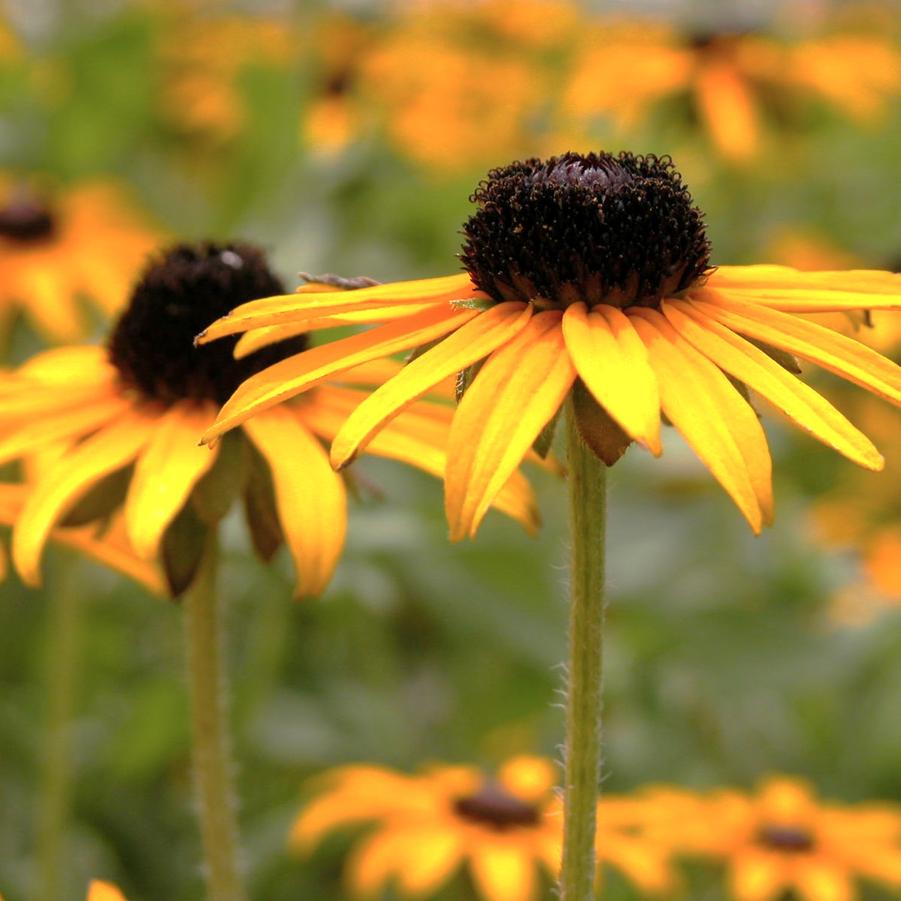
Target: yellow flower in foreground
x,y
505,830
129,416
587,276
783,839
54,250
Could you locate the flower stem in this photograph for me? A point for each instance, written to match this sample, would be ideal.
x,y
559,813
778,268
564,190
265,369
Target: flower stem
x,y
209,732
63,616
587,514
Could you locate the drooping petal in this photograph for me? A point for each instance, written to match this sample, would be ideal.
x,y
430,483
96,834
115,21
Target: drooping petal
x,y
821,879
293,308
167,470
728,109
764,375
289,377
845,357
613,363
309,495
503,871
471,342
74,474
520,387
756,877
687,396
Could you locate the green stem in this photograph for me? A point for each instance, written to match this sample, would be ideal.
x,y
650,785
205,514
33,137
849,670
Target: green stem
x,y
56,765
587,513
210,735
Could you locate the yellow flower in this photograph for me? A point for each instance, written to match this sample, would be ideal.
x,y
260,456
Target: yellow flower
x,y
104,891
129,416
730,77
783,839
110,547
425,827
587,276
55,249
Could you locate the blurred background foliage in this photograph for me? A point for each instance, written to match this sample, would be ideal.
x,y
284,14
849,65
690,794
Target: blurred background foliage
x,y
347,137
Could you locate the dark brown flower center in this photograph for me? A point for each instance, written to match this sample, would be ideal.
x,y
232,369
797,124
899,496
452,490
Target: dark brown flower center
x,y
788,839
495,807
180,293
26,219
599,228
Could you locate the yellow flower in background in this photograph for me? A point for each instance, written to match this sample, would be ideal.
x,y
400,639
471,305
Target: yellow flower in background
x,y
505,830
129,416
783,839
104,891
587,277
57,248
732,78
108,545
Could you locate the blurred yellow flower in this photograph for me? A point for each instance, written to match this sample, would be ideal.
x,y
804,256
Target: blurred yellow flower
x,y
129,417
506,830
625,67
57,247
783,839
104,891
626,302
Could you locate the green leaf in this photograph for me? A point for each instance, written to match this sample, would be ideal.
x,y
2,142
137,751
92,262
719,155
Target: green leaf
x,y
215,493
182,550
101,500
260,510
607,441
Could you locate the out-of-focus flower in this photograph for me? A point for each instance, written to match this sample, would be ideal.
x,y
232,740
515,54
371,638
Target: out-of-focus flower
x,y
783,839
625,68
57,247
624,300
423,828
104,891
202,58
129,416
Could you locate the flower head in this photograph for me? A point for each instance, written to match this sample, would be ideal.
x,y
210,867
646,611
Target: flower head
x,y
57,248
588,277
504,829
127,419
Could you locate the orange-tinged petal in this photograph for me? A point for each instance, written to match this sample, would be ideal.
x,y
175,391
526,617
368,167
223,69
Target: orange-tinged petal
x,y
527,777
309,495
519,388
613,363
167,470
764,375
689,396
810,341
432,857
503,871
756,877
74,474
728,109
773,276
820,879
104,891
64,365
471,342
289,377
293,308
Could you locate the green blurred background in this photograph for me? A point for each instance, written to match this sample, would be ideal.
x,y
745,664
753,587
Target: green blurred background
x,y
728,656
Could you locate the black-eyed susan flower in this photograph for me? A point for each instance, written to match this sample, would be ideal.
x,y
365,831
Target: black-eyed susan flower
x,y
506,830
57,248
587,276
784,840
129,416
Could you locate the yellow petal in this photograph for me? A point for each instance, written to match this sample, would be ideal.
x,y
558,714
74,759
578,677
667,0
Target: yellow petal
x,y
472,342
518,390
66,365
168,469
757,877
843,356
613,363
309,496
293,308
690,395
503,871
104,891
728,109
529,778
74,474
432,857
821,879
764,375
295,374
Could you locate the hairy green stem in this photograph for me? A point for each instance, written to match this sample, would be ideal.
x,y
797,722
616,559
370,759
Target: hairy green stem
x,y
56,764
587,513
210,734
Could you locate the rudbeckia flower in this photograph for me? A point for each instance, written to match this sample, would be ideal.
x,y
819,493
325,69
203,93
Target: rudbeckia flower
x,y
587,277
505,830
784,840
130,414
57,249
